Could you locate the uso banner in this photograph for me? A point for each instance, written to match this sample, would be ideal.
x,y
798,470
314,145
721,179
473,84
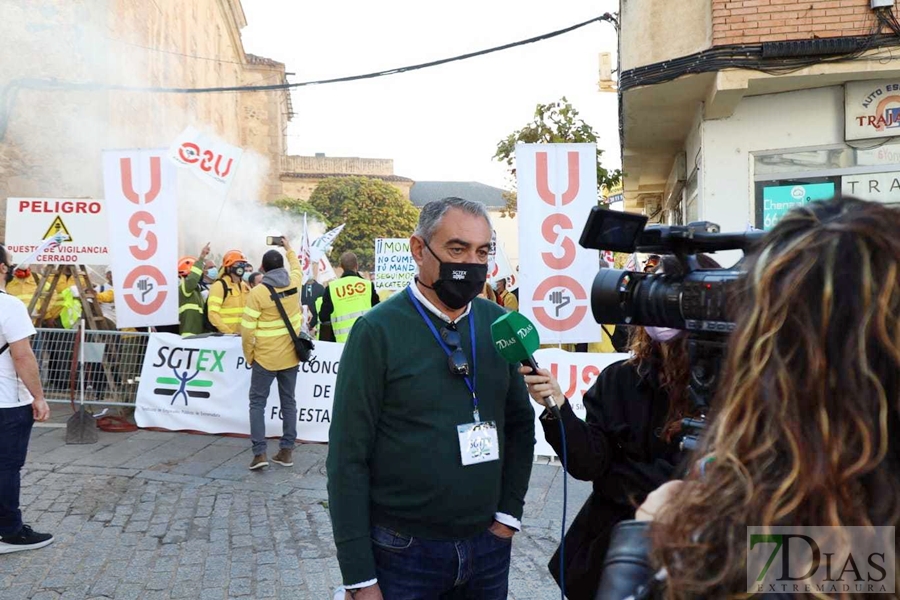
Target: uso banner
x,y
209,159
143,236
576,373
203,384
557,187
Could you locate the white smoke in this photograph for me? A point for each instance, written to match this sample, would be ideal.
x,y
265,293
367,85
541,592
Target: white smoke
x,y
238,221
52,139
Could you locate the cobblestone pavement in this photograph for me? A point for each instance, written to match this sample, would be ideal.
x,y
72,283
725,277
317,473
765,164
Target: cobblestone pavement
x,y
152,515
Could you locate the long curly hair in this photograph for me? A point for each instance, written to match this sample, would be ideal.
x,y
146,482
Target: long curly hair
x,y
668,362
807,418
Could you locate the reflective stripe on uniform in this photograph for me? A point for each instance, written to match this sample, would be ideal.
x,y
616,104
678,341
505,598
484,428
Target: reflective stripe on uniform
x,y
196,269
248,324
187,307
296,320
272,332
345,323
251,312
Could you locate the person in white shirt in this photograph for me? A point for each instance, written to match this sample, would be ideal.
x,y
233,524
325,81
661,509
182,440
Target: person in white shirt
x,y
21,404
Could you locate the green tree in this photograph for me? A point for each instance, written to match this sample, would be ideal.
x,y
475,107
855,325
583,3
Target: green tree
x,y
370,208
554,123
296,206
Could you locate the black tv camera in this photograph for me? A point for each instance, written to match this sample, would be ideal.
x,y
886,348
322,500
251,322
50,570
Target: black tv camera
x,y
697,300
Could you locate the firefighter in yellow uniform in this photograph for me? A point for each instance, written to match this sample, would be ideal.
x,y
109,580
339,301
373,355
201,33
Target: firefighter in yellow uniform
x,y
228,294
269,348
346,299
23,285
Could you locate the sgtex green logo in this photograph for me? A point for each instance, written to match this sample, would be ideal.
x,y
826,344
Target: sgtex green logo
x,y
186,365
827,560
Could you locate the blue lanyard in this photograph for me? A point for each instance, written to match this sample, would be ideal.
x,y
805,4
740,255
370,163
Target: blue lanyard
x,y
470,382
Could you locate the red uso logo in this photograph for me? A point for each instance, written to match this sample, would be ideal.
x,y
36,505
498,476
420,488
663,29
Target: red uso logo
x,y
560,301
191,153
144,286
588,374
351,289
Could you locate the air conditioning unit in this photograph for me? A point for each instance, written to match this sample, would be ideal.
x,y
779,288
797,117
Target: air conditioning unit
x,y
606,82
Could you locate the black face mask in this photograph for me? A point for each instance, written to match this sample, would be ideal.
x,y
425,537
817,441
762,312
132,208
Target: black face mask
x,y
458,283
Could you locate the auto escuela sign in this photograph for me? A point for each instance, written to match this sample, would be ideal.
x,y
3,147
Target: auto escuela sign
x,y
871,110
81,221
202,384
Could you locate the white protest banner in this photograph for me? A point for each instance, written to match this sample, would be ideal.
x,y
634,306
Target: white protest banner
x,y
576,373
143,233
321,244
47,246
305,254
203,384
557,187
207,157
82,225
502,268
326,271
394,264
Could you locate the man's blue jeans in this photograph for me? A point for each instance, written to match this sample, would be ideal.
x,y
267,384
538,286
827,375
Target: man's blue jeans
x,y
416,569
260,385
15,430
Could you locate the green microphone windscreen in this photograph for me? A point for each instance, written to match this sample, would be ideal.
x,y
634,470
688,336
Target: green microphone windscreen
x,y
515,337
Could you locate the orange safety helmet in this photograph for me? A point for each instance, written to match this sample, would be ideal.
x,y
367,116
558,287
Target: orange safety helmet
x,y
184,265
233,257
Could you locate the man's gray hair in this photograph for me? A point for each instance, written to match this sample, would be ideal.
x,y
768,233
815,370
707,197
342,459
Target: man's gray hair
x,y
432,213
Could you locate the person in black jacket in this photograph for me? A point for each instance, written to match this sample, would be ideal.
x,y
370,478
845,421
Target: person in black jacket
x,y
628,445
805,427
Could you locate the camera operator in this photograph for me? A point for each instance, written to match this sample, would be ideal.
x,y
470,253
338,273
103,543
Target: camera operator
x,y
628,445
806,423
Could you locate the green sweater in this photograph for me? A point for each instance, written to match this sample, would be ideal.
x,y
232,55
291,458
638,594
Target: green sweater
x,y
393,450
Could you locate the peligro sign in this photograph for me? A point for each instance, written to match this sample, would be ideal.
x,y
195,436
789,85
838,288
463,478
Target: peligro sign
x,y
557,231
141,227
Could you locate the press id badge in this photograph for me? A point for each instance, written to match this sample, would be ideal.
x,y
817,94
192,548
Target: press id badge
x,y
478,442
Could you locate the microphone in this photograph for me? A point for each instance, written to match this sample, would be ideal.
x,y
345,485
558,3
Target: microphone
x,y
516,339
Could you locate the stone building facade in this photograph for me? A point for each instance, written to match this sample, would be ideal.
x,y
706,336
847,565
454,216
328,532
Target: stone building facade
x,y
52,133
301,174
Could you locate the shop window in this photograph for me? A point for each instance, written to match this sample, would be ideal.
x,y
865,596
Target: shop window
x,y
774,198
787,178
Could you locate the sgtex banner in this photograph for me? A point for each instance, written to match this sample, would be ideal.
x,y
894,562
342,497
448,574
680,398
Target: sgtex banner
x,y
203,385
557,186
143,236
576,373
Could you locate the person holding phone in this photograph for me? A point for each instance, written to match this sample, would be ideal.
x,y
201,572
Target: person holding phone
x,y
269,348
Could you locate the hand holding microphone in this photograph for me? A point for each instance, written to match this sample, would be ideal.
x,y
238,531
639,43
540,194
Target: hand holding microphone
x,y
542,386
516,339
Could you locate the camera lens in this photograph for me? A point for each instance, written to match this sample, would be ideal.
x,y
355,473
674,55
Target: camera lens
x,y
631,298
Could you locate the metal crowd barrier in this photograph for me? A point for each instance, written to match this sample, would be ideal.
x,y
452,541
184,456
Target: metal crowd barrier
x,y
111,368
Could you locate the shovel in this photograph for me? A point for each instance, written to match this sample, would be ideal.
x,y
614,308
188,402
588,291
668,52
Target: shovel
x,y
81,428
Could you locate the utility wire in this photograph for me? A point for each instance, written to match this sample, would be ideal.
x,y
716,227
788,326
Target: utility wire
x,y
89,86
175,53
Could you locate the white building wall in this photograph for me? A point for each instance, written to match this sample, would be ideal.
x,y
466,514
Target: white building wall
x,y
760,123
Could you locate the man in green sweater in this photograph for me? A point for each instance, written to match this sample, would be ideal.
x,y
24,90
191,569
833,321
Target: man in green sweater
x,y
432,436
